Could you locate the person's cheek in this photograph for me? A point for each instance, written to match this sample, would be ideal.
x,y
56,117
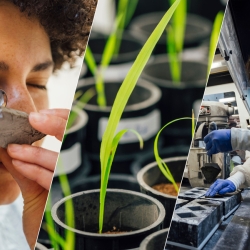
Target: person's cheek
x,y
40,98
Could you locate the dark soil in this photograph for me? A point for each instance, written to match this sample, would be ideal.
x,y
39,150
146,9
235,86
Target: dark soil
x,y
116,230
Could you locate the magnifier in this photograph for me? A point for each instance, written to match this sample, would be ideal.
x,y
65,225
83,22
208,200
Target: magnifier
x,y
3,98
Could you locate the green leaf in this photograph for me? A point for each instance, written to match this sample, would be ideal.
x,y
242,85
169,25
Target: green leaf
x,y
175,40
129,84
106,172
90,60
162,165
69,207
214,38
130,11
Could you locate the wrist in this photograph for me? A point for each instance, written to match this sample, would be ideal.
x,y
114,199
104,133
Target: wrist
x,y
238,179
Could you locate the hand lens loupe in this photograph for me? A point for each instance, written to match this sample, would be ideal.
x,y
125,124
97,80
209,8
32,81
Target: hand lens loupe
x,y
3,98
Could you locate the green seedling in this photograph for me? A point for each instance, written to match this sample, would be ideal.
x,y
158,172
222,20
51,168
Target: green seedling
x,y
109,138
214,38
175,40
56,239
125,12
127,8
161,164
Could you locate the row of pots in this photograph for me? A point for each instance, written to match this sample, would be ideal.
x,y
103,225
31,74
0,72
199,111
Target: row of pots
x,y
149,108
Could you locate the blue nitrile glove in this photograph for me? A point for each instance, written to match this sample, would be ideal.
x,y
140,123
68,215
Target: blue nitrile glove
x,y
221,187
218,141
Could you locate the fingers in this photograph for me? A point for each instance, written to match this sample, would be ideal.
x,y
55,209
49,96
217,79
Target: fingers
x,y
48,124
225,190
207,138
208,145
63,113
210,192
34,163
212,150
34,155
216,187
33,172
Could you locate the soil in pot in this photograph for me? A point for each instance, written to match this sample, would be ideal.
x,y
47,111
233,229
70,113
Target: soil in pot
x,y
126,210
151,175
141,114
167,188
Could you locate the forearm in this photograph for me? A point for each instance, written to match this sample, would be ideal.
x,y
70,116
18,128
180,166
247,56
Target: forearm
x,y
241,174
240,139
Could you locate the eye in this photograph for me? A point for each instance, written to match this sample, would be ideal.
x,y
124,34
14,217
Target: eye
x,y
33,85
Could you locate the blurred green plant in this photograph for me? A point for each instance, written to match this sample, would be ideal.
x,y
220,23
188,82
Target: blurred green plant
x,y
175,33
109,139
55,238
214,39
125,12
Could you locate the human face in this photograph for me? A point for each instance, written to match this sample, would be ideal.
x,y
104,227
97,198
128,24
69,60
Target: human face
x,y
25,67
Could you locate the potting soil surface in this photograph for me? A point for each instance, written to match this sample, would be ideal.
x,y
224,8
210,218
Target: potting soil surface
x,y
116,230
166,188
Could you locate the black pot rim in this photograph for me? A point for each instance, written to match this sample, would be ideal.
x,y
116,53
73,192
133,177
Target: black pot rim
x,y
192,19
158,59
88,234
81,122
152,165
154,98
40,246
151,236
125,57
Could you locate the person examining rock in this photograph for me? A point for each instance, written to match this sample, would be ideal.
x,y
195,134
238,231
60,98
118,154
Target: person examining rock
x,y
37,37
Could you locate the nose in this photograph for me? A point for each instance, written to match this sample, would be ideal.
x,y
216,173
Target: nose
x,y
19,97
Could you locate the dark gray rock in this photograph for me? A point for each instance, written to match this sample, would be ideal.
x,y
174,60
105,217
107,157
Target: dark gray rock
x,y
15,128
230,202
192,223
180,203
193,193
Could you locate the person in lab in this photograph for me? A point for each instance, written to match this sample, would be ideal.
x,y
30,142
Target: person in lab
x,y
37,37
226,140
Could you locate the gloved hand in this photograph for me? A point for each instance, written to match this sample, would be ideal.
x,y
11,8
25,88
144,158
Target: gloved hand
x,y
218,141
221,187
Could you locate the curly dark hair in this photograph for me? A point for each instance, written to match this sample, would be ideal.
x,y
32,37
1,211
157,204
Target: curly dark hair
x,y
67,23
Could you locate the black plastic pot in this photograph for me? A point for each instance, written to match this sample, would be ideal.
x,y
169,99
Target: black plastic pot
x,y
177,100
124,209
198,30
73,155
121,63
141,114
117,181
39,246
155,241
151,175
146,158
